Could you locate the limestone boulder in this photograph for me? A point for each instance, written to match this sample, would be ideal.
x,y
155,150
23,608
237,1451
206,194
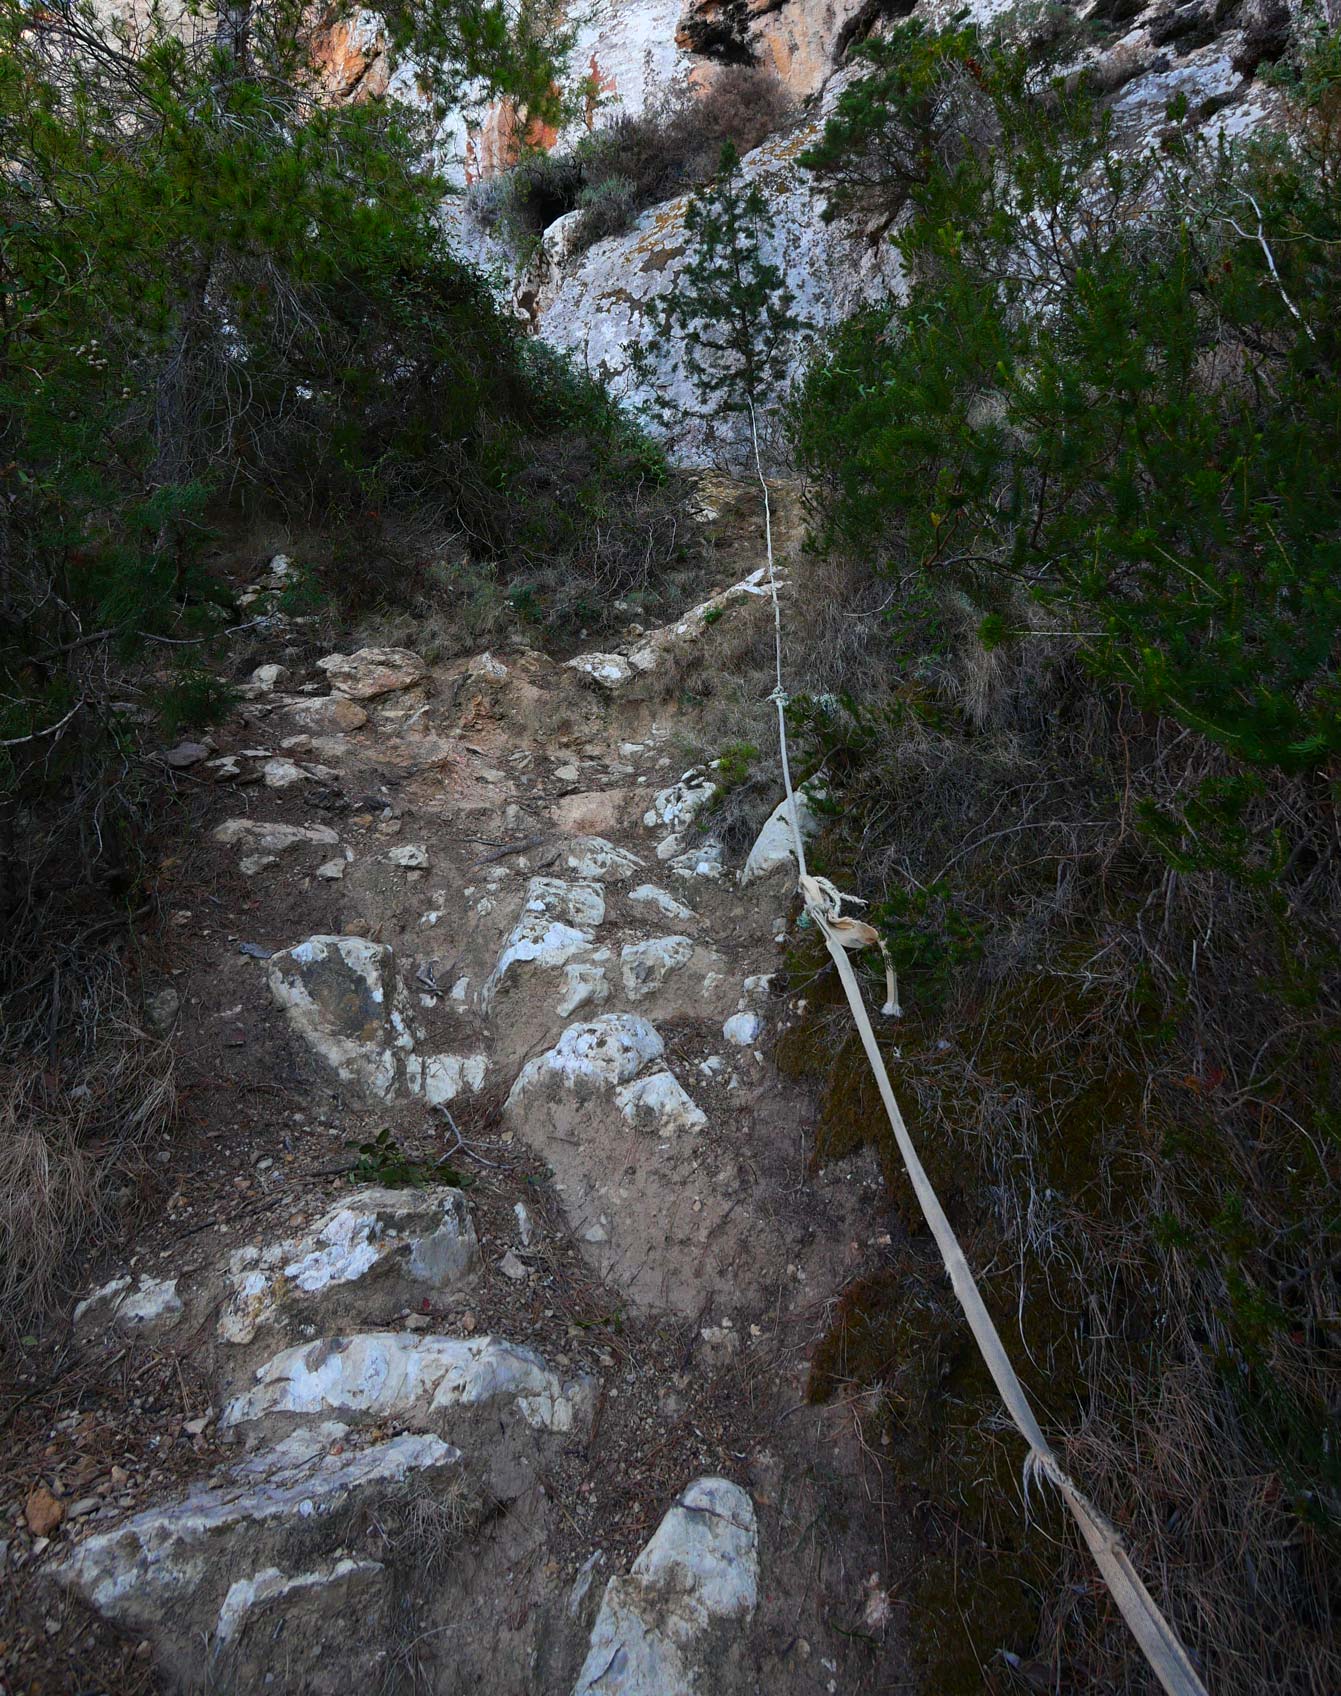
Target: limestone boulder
x,y
773,850
135,1302
201,1572
342,995
374,1245
589,1059
266,837
410,1377
666,1628
557,923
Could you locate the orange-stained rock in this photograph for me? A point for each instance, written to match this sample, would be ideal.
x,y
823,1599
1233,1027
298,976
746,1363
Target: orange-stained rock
x,y
351,59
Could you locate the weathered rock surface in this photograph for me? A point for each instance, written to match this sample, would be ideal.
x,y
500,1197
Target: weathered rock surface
x,y
677,806
557,923
658,1104
773,849
327,715
341,994
192,1568
648,1218
595,860
133,1302
589,1057
410,1377
645,966
373,671
379,1239
274,838
661,902
654,1635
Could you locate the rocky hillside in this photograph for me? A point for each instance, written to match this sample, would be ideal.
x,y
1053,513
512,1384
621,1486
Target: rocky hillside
x,y
469,1350
596,303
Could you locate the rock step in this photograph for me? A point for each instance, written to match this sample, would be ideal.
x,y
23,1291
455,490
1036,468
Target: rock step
x,y
210,1565
653,1634
396,1242
410,1377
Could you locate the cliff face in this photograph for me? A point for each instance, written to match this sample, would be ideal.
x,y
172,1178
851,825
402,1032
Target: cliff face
x,y
596,303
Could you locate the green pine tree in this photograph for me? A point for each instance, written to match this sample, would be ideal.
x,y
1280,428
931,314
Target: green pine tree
x,y
732,312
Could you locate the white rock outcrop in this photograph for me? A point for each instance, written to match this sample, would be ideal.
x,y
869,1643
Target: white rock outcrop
x,y
596,1055
584,982
594,860
773,847
654,1633
645,966
661,902
557,923
657,1103
608,671
260,836
422,1238
341,994
408,1376
371,672
743,1029
677,806
172,1567
134,1302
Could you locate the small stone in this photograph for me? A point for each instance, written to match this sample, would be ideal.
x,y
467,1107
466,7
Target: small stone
x,y
84,1506
742,1029
186,754
161,1009
43,1512
332,871
194,1427
525,1229
511,1267
411,856
250,864
282,774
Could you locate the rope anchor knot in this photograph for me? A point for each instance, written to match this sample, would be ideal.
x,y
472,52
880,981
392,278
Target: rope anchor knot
x,y
825,902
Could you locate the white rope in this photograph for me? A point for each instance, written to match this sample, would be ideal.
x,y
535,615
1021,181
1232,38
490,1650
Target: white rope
x,y
1156,1637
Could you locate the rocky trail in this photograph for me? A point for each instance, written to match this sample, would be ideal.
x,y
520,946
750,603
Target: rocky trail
x,y
469,1350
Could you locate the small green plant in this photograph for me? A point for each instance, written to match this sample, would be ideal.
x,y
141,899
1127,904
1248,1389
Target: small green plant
x,y
383,1161
734,763
194,699
732,316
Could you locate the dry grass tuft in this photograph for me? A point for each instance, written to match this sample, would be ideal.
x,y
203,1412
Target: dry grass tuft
x,y
77,1109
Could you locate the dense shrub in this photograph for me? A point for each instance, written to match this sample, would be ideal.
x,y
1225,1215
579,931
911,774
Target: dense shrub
x,y
1095,455
633,162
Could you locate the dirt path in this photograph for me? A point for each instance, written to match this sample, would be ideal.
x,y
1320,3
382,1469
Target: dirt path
x,y
513,1399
